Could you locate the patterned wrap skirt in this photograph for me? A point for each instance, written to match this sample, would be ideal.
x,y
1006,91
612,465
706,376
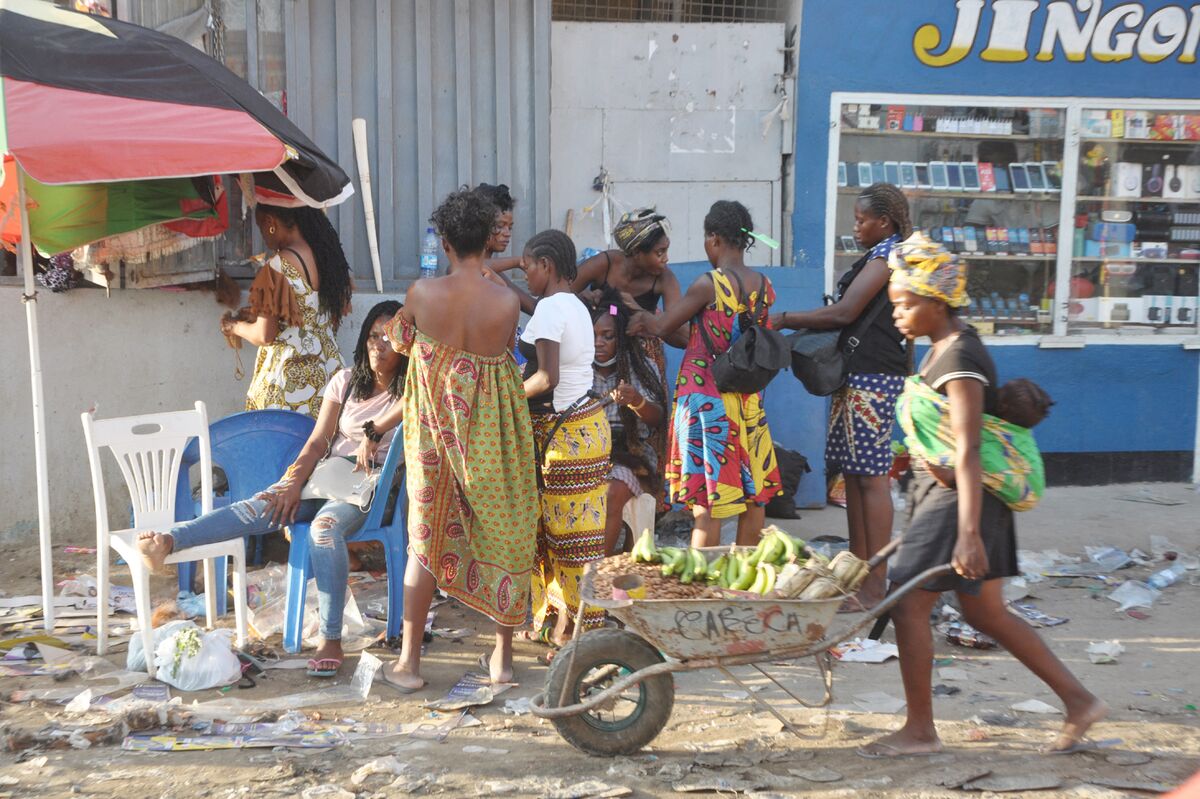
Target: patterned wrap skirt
x,y
574,467
860,425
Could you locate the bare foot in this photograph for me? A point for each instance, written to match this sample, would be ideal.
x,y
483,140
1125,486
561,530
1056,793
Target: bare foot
x,y
329,650
902,743
154,548
1079,719
500,668
402,680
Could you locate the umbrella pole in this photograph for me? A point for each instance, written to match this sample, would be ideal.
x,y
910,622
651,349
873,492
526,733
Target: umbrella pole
x,y
358,127
39,409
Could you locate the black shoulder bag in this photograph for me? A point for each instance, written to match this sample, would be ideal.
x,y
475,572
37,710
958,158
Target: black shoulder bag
x,y
821,358
755,358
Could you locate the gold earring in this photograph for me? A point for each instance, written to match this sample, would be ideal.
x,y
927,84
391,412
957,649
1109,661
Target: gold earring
x,y
271,230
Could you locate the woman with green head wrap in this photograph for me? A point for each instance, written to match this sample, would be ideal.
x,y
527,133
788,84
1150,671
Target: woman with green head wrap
x,y
964,525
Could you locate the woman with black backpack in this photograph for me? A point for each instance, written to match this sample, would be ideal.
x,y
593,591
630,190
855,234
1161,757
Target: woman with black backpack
x,y
720,462
861,418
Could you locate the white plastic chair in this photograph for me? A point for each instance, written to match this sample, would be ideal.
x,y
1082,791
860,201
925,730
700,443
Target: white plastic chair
x,y
639,515
149,449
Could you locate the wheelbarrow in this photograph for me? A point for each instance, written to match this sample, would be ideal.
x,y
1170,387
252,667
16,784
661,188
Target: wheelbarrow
x,y
611,691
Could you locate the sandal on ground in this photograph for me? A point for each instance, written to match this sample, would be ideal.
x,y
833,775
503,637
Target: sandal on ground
x,y
884,751
324,667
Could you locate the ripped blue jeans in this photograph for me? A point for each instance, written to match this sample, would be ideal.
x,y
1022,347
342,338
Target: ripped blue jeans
x,y
331,521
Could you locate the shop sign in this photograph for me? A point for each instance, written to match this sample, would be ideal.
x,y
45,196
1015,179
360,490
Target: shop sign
x,y
1106,31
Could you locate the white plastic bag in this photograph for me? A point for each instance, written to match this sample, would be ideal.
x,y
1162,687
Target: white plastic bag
x,y
193,661
136,659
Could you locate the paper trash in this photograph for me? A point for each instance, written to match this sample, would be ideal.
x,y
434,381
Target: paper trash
x,y
1104,651
865,651
1132,594
1035,706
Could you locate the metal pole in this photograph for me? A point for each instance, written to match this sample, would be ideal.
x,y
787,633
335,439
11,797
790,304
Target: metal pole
x,y
39,409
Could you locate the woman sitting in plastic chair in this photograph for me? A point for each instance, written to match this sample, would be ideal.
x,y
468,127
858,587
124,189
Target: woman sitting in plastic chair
x,y
352,398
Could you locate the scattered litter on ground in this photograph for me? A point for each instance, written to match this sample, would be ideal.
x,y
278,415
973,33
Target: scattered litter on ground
x,y
946,690
865,651
517,707
1108,558
356,691
471,690
878,702
1035,706
1104,651
953,674
1034,616
963,634
389,765
1134,594
327,791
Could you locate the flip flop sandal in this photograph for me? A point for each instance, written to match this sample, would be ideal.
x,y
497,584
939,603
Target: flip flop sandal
x,y
324,667
890,752
1082,745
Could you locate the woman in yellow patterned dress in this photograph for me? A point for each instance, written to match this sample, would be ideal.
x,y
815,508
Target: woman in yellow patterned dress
x,y
297,301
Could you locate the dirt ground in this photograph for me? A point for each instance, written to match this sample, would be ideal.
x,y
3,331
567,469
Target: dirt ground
x,y
717,737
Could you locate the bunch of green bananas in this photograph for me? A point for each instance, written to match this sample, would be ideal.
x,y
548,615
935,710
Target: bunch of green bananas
x,y
756,570
686,564
644,550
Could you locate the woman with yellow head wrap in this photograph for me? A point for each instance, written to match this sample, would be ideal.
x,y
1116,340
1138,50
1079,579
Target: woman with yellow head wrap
x,y
961,524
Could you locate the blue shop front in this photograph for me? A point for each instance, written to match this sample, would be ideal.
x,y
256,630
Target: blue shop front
x,y
1055,146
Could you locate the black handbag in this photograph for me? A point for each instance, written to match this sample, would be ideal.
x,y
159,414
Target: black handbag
x,y
821,358
755,358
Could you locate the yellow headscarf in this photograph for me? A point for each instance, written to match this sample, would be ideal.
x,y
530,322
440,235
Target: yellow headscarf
x,y
925,268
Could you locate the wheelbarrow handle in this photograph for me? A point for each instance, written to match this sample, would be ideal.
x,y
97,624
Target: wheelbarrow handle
x,y
886,552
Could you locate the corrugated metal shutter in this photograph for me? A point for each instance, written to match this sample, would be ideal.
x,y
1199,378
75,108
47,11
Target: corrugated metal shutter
x,y
453,93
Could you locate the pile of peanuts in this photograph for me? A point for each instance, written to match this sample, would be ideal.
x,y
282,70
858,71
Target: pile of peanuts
x,y
657,586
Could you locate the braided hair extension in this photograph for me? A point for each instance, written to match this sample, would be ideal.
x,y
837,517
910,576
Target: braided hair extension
x,y
885,199
731,221
631,360
362,379
465,219
558,247
498,195
322,238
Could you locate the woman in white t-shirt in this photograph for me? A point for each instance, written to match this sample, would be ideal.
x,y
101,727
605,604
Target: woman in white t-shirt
x,y
571,437
352,398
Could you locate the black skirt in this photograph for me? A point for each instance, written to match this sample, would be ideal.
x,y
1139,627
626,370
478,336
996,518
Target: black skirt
x,y
933,532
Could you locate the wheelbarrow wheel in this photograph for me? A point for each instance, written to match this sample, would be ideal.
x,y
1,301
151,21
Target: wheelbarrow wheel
x,y
624,724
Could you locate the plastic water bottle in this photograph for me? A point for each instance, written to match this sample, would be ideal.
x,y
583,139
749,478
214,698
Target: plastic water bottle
x,y
429,253
1168,576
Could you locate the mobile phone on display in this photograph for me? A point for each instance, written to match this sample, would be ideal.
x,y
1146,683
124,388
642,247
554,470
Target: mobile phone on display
x,y
970,173
922,176
1037,176
1000,176
1053,175
864,173
937,175
891,172
1020,177
908,175
954,180
877,172
842,178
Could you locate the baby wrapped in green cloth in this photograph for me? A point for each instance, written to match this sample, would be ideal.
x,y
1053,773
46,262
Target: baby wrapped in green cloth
x,y
1012,463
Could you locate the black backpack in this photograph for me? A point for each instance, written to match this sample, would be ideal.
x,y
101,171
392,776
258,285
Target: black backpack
x,y
755,358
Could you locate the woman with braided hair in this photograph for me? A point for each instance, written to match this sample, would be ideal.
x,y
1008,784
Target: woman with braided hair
x,y
297,302
859,443
571,439
638,399
720,461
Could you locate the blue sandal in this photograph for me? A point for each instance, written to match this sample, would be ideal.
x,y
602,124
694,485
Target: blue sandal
x,y
324,667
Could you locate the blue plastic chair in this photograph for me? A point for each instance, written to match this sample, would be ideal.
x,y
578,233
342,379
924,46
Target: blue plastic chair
x,y
392,533
253,448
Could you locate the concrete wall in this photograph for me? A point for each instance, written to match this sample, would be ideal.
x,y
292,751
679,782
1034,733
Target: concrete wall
x,y
675,113
134,352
